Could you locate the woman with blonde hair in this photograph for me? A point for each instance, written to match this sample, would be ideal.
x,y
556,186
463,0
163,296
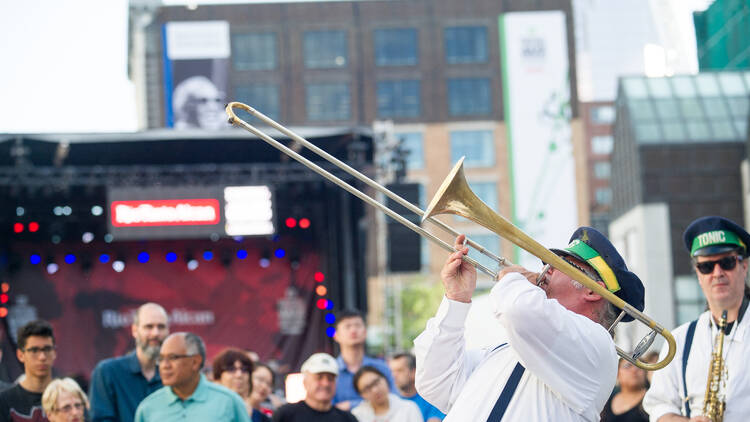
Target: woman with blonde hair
x,y
64,401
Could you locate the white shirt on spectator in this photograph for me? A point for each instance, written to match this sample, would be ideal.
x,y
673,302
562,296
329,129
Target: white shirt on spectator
x,y
400,410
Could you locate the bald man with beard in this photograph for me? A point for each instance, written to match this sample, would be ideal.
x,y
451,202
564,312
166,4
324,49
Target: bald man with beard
x,y
119,384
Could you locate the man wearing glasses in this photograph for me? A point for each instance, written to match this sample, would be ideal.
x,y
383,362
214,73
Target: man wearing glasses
x,y
718,248
557,361
187,395
36,350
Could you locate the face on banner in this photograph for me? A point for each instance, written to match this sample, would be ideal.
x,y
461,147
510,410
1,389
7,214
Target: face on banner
x,y
198,104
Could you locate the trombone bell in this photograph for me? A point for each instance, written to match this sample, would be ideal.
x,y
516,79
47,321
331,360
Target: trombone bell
x,y
455,197
449,198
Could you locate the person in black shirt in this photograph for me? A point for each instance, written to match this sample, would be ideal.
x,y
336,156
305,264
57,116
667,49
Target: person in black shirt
x,y
320,372
36,350
627,404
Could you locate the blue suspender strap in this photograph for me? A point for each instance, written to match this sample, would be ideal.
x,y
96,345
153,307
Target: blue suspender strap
x,y
504,400
498,346
685,354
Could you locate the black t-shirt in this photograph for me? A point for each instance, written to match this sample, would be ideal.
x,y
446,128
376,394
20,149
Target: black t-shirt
x,y
301,412
19,405
634,414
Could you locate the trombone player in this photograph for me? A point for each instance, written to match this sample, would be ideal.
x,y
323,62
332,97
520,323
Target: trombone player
x,y
718,248
558,361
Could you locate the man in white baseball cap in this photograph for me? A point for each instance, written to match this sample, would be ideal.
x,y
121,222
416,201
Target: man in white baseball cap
x,y
320,371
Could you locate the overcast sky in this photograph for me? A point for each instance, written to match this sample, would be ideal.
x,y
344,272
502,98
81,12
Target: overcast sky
x,y
64,65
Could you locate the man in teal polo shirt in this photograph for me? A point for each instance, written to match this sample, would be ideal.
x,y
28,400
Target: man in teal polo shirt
x,y
187,395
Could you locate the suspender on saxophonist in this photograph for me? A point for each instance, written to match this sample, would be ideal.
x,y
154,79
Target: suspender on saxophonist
x,y
714,401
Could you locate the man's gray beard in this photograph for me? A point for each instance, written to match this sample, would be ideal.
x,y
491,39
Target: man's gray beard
x,y
151,352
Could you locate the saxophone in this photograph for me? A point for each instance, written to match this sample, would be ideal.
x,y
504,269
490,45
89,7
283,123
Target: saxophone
x,y
713,402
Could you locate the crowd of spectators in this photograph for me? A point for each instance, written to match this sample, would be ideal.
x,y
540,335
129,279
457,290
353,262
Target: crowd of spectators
x,y
166,377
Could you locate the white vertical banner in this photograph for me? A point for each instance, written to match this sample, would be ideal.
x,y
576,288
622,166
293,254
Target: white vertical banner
x,y
536,97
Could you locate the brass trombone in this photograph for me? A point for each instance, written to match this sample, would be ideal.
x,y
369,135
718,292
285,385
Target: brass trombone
x,y
455,197
233,119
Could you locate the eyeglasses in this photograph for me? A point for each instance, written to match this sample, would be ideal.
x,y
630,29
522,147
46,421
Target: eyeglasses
x,y
36,350
627,365
588,273
69,407
170,358
232,369
543,278
371,385
727,263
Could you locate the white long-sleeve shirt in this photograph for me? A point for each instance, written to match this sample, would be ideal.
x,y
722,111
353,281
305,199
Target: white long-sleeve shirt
x,y
570,361
666,392
400,410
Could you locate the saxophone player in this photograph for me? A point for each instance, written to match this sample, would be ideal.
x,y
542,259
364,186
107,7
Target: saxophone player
x,y
699,378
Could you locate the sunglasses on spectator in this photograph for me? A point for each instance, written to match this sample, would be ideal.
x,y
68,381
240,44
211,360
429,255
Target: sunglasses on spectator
x,y
727,263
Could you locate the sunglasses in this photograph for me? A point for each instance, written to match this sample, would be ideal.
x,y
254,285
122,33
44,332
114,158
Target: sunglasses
x,y
727,263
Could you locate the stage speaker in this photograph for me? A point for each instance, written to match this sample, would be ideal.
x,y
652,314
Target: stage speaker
x,y
404,245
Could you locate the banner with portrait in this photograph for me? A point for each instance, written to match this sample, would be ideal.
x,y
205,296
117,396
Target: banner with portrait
x,y
196,71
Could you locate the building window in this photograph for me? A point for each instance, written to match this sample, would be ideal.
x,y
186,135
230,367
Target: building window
x,y
603,196
465,44
399,98
689,298
489,241
602,170
254,51
328,101
262,97
413,144
486,191
325,49
396,47
469,96
603,115
476,145
602,144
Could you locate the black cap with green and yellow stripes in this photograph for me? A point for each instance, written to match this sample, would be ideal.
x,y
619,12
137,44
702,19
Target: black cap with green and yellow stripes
x,y
590,246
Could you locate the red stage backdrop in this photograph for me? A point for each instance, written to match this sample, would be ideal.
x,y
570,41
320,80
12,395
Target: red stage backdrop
x,y
228,301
